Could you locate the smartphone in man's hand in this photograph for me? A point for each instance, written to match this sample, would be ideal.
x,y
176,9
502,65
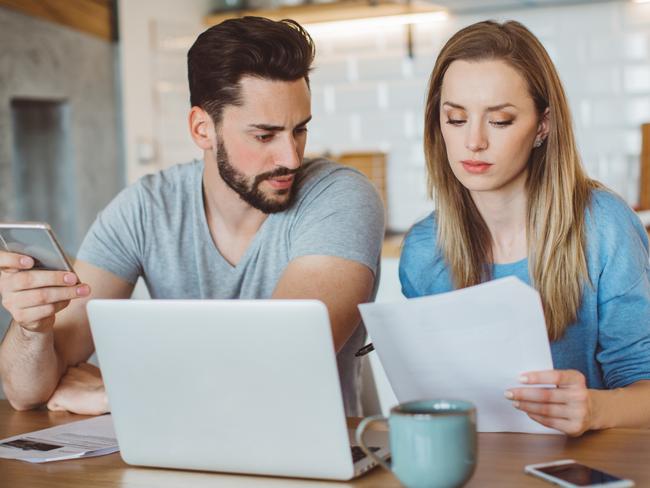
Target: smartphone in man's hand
x,y
37,240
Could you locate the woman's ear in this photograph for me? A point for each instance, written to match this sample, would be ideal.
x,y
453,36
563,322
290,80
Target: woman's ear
x,y
543,127
201,128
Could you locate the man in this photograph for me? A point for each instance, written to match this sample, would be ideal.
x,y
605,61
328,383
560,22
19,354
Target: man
x,y
252,220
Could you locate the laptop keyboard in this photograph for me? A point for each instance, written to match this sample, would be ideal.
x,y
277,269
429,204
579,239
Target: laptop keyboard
x,y
358,454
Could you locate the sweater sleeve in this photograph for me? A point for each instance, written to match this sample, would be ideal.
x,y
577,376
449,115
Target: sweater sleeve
x,y
623,295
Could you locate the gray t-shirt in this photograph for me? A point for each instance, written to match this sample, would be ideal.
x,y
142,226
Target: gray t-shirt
x,y
157,229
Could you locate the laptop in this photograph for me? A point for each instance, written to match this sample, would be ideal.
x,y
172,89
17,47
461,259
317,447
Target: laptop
x,y
238,386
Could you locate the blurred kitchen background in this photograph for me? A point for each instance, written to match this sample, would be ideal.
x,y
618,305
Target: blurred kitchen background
x,y
93,95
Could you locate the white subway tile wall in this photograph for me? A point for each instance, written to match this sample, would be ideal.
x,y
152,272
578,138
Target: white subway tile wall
x,y
369,95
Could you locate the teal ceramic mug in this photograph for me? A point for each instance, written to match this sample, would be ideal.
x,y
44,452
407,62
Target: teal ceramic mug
x,y
432,442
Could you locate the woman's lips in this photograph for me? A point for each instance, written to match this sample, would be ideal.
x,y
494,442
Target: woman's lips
x,y
476,167
282,183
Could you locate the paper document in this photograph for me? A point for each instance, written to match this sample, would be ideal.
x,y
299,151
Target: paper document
x,y
470,344
85,438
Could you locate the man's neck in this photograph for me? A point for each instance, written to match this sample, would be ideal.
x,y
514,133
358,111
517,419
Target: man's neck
x,y
232,222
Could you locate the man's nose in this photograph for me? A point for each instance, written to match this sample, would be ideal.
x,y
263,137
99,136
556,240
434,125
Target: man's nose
x,y
287,154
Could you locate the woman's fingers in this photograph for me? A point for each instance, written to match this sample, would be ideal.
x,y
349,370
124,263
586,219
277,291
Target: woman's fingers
x,y
559,377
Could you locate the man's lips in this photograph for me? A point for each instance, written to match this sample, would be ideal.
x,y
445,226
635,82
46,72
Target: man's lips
x,y
476,166
281,182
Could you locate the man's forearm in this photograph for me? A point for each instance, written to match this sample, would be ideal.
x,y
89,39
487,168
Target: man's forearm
x,y
29,367
622,407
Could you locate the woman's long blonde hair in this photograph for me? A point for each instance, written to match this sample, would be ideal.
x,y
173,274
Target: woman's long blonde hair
x,y
558,188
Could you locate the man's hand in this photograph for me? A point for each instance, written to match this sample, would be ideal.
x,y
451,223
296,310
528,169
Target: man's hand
x,y
81,390
567,408
33,297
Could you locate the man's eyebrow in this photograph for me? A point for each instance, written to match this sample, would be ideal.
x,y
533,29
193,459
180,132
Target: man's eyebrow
x,y
278,128
494,108
304,122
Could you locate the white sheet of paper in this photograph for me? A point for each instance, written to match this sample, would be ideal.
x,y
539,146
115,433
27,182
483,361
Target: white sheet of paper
x,y
84,438
470,344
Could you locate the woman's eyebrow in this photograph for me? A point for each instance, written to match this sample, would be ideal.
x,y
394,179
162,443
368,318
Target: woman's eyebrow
x,y
494,108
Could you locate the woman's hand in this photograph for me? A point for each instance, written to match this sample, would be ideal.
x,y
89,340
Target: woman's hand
x,y
567,407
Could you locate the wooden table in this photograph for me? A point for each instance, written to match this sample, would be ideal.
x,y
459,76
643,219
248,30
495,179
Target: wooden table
x,y
501,461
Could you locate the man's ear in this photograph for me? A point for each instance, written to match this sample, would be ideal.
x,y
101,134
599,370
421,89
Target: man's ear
x,y
201,128
544,126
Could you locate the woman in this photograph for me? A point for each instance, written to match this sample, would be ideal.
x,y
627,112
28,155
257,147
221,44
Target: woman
x,y
512,199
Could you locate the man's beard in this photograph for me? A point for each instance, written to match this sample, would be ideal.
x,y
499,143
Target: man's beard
x,y
250,191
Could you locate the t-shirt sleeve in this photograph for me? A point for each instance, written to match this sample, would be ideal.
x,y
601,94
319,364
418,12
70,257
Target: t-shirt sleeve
x,y
342,215
115,241
418,263
623,298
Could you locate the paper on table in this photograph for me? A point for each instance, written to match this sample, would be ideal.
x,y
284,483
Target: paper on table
x,y
469,344
84,438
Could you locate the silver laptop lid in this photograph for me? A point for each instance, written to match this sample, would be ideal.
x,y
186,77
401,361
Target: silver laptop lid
x,y
248,386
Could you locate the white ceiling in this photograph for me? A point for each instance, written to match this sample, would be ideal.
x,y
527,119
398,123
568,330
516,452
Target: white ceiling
x,y
491,5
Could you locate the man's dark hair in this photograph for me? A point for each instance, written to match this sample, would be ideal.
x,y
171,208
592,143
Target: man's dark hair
x,y
254,46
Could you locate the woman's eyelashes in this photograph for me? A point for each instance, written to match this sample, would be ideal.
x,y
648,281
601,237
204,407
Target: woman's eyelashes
x,y
494,123
501,123
451,121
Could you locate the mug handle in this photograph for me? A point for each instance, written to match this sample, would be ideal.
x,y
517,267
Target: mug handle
x,y
358,435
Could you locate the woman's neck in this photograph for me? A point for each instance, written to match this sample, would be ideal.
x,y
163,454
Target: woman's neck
x,y
504,212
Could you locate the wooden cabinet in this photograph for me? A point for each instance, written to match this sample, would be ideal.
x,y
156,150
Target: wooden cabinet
x,y
644,190
371,164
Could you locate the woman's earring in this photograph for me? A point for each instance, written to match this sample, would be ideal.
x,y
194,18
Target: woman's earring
x,y
538,142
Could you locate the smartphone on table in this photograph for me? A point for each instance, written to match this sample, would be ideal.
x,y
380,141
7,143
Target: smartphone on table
x,y
37,240
571,474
